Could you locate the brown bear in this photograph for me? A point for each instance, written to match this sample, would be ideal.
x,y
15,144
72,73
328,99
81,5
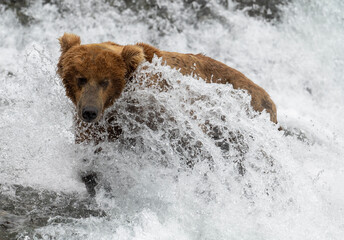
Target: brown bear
x,y
95,75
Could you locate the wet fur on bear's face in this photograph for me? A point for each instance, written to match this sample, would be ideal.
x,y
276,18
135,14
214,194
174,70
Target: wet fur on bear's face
x,y
94,75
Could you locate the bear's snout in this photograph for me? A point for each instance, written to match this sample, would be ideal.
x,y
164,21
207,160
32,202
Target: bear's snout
x,y
89,113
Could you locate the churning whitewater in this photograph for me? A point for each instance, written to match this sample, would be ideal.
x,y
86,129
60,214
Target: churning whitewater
x,y
197,162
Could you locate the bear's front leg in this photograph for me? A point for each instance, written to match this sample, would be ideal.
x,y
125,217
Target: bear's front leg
x,y
88,135
91,135
91,181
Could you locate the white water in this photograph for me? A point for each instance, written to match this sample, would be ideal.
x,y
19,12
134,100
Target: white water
x,y
292,188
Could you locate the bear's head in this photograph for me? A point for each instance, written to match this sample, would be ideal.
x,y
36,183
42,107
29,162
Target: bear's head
x,y
95,75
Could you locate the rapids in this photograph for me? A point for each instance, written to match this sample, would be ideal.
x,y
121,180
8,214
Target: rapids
x,y
197,162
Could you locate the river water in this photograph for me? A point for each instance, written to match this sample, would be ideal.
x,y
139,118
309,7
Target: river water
x,y
197,162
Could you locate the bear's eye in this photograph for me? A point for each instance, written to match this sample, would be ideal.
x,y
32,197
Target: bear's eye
x,y
82,81
104,83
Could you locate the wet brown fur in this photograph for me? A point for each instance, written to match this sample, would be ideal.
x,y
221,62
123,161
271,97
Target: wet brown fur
x,y
115,63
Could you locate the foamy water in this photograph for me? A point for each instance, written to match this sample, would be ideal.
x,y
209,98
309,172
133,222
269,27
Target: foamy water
x,y
247,181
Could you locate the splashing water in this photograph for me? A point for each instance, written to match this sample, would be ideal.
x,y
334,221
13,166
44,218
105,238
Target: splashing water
x,y
194,160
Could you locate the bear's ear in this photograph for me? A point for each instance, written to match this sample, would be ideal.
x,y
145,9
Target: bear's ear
x,y
132,56
68,40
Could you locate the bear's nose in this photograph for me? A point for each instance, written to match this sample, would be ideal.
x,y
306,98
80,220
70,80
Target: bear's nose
x,y
89,113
